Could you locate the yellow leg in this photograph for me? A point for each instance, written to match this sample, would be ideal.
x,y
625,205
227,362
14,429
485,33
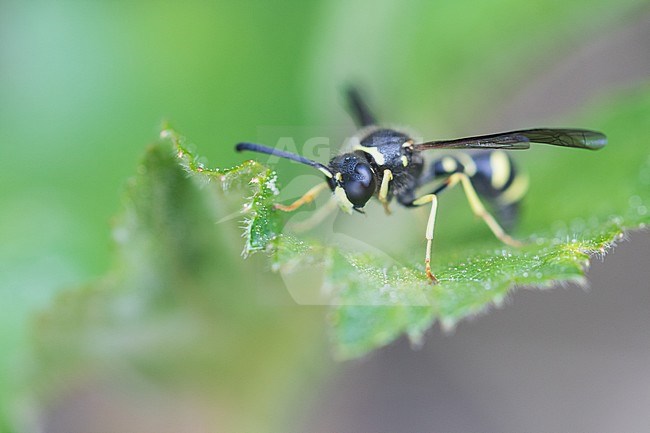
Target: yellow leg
x,y
433,199
307,198
383,190
480,211
316,218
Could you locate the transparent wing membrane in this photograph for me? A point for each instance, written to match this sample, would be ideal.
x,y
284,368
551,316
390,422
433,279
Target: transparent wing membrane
x,y
514,140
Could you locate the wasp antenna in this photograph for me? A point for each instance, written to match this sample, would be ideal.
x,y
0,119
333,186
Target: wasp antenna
x,y
282,154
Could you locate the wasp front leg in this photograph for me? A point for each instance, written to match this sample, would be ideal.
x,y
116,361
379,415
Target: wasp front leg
x,y
383,190
308,197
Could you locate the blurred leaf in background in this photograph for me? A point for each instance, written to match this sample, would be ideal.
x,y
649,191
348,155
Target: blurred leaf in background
x,y
180,308
83,89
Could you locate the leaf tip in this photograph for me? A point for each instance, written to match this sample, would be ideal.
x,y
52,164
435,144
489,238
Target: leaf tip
x,y
448,325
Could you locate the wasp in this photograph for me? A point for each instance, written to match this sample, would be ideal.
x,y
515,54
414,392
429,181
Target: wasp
x,y
389,164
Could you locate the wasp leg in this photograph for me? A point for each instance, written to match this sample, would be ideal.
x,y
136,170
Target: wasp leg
x,y
307,198
433,199
316,218
479,210
383,190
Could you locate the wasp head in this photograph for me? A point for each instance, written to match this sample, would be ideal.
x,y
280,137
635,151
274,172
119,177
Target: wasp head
x,y
354,181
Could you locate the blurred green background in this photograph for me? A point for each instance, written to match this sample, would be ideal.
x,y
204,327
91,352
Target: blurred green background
x,y
84,87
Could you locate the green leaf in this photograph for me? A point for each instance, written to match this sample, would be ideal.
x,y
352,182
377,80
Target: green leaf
x,y
375,298
261,225
180,308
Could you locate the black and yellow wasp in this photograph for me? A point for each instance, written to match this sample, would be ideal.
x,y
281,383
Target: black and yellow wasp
x,y
387,163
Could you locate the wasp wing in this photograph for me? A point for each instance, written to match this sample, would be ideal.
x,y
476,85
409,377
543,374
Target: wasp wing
x,y
359,109
578,138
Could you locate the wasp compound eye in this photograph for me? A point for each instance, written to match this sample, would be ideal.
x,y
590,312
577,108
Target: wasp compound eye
x,y
360,185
